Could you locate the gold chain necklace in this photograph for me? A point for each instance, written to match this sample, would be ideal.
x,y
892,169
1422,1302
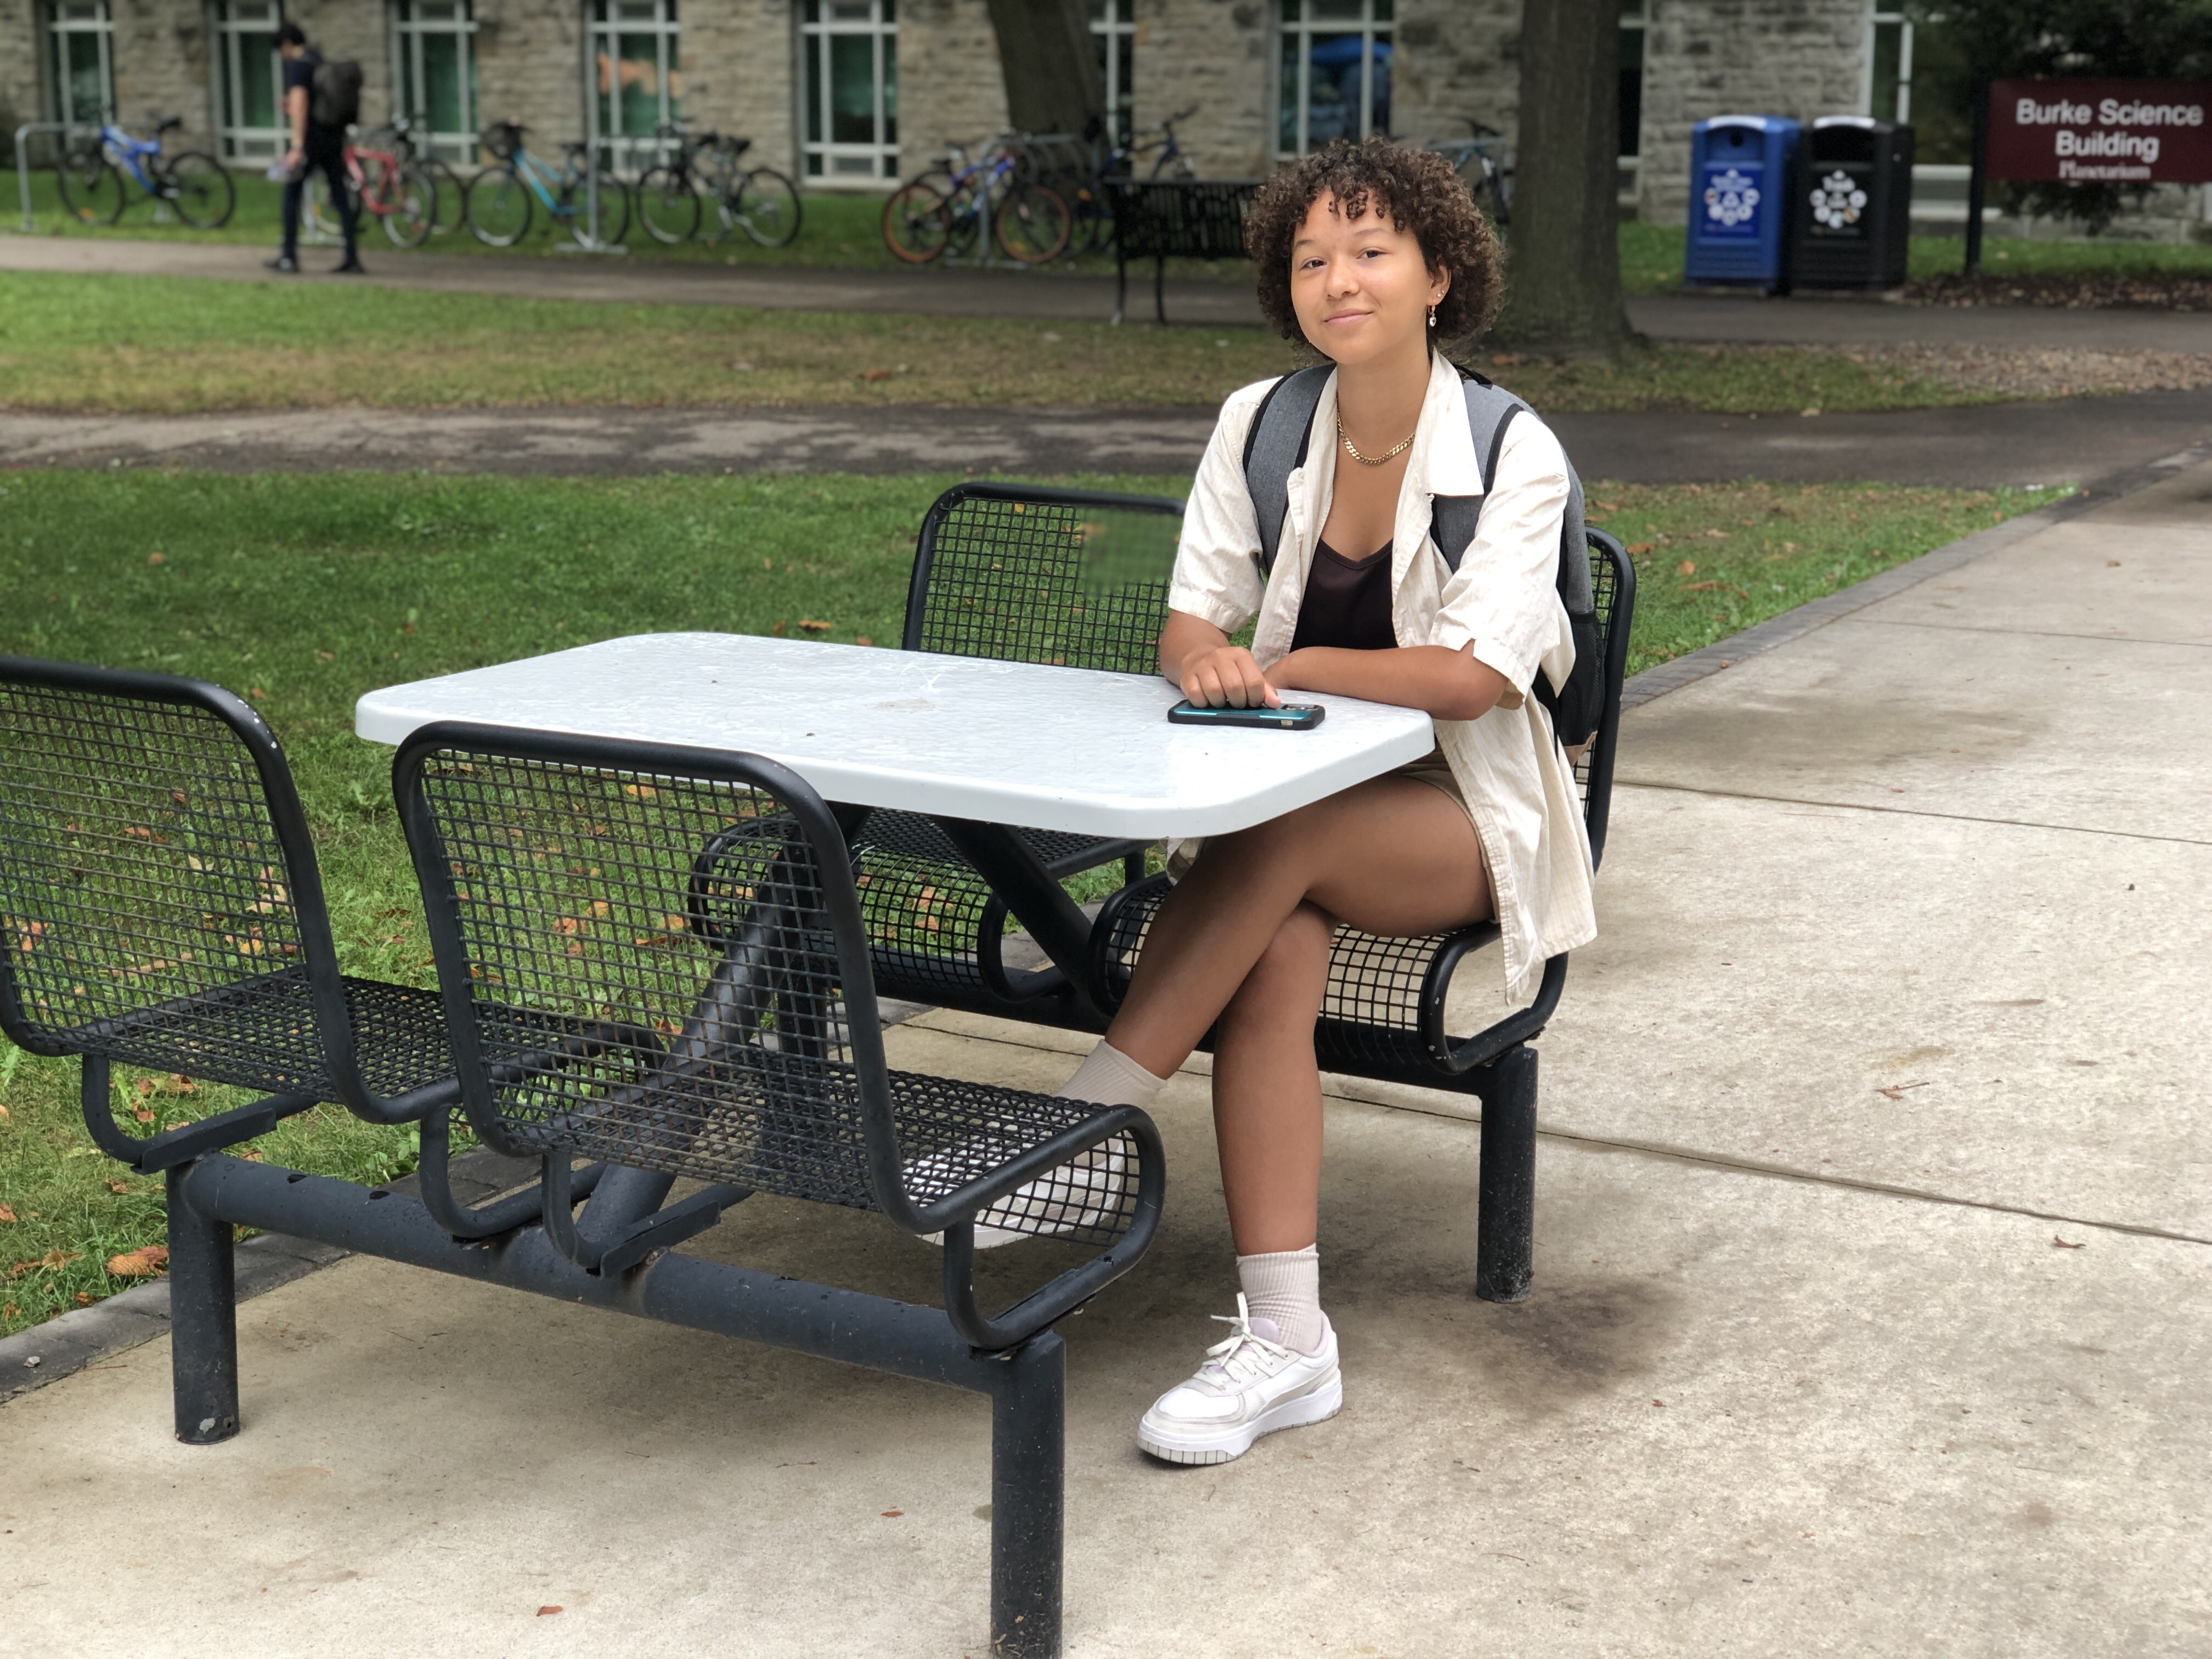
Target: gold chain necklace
x,y
1385,458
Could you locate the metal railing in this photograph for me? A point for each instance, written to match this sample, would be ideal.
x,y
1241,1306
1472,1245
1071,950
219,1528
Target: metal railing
x,y
591,241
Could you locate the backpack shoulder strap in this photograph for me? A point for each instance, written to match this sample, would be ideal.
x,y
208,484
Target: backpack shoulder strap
x,y
1275,448
1490,410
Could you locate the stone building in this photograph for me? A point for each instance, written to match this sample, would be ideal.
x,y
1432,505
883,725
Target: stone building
x,y
854,93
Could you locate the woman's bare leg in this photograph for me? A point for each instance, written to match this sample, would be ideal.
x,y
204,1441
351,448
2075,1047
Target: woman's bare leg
x,y
1391,856
1267,1090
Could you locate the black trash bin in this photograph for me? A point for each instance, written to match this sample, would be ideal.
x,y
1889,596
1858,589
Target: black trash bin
x,y
1854,208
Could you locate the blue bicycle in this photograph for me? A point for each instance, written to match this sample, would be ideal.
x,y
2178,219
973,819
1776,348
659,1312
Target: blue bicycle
x,y
91,174
498,205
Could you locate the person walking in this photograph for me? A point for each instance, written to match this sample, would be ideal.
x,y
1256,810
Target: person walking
x,y
315,147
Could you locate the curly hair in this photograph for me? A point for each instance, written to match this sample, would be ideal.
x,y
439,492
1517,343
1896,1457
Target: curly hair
x,y
1417,190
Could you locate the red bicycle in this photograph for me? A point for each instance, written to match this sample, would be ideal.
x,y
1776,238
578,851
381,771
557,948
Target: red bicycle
x,y
389,184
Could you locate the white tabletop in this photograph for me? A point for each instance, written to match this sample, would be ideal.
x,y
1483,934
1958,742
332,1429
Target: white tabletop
x,y
1022,744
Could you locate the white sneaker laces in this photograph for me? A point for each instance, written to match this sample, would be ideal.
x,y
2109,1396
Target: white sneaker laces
x,y
1229,1357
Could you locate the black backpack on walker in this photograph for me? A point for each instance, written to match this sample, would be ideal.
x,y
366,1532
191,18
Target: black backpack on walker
x,y
1276,447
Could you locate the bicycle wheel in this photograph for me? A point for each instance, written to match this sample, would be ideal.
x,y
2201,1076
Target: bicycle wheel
x,y
497,207
448,196
767,207
321,215
199,187
412,197
915,225
614,209
669,205
90,188
1033,223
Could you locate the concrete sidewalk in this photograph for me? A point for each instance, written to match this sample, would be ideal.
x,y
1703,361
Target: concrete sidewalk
x,y
1873,1312
938,292
2075,440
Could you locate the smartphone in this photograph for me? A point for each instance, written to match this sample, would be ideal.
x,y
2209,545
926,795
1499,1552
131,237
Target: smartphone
x,y
1290,717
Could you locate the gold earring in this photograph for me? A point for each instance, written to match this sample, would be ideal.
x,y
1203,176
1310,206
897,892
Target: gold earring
x,y
1432,316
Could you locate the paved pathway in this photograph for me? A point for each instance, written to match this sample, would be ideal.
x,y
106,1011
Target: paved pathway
x,y
2079,441
1018,294
1872,1300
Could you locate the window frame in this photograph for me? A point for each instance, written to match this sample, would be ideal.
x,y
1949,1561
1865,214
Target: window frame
x,y
56,29
408,36
1628,166
1880,16
1113,27
1303,28
818,157
236,140
627,152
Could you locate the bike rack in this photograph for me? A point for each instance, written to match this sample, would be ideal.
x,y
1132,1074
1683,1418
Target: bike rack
x,y
23,154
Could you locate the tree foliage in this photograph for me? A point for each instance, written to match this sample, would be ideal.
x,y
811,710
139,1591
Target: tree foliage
x,y
1997,40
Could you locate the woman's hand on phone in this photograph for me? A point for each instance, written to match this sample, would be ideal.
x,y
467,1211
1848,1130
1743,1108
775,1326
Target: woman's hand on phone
x,y
1226,677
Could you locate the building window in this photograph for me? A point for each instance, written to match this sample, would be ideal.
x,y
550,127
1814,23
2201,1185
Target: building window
x,y
1336,71
1114,32
637,77
81,49
849,67
249,121
1887,92
1633,16
435,68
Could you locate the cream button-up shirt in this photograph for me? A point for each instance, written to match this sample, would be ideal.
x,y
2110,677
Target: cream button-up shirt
x,y
1502,601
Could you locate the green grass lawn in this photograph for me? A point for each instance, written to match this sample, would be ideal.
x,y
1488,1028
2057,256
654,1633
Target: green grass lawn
x,y
77,344
303,592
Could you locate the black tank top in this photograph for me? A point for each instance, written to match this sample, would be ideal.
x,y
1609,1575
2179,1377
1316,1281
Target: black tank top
x,y
1347,602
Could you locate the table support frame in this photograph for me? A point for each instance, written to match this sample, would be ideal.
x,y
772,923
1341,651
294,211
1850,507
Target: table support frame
x,y
1026,1384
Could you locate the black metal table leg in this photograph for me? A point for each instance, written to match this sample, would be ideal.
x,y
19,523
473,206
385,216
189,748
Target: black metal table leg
x,y
1015,875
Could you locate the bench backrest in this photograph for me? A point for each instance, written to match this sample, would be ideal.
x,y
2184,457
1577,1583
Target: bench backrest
x,y
1189,218
1612,586
651,955
157,882
1021,573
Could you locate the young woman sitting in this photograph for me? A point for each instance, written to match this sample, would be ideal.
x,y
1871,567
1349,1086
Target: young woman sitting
x,y
1376,258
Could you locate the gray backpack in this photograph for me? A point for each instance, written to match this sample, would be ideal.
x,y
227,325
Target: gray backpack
x,y
336,101
1276,447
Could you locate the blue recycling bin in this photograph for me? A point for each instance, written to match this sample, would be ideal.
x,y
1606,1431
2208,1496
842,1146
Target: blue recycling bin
x,y
1741,189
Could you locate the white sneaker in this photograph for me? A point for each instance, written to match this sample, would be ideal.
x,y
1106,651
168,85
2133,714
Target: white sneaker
x,y
1249,1385
1086,1193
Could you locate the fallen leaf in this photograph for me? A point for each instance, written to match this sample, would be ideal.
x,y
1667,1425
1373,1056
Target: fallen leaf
x,y
143,1115
145,1262
1637,550
251,1154
778,628
1717,535
893,1515
50,1262
742,367
2111,565
8,1215
1809,412
119,1187
84,1298
1701,587
153,558
328,656
256,693
1687,567
1607,506
877,375
813,627
544,1611
862,639
2069,1245
1506,359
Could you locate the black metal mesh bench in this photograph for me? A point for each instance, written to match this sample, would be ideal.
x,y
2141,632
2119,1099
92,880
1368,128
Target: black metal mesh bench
x,y
1161,219
161,906
1016,574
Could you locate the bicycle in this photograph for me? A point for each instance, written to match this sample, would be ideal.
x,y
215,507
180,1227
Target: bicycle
x,y
1486,151
498,203
1094,212
386,184
671,197
944,210
89,178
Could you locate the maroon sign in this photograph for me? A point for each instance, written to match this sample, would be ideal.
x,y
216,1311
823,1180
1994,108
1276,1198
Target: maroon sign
x,y
2127,132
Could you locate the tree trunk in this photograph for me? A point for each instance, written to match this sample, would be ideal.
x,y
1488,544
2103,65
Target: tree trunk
x,y
1563,274
1051,68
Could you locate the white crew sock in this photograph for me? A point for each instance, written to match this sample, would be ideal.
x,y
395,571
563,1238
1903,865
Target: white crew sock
x,y
1284,1287
1110,1078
